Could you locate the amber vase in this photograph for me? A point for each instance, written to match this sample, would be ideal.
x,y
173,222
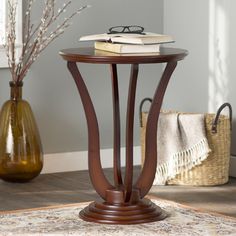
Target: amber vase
x,y
21,155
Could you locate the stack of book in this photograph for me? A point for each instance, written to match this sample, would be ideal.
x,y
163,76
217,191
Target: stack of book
x,y
128,43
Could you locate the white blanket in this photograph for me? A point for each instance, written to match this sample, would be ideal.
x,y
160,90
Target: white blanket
x,y
181,144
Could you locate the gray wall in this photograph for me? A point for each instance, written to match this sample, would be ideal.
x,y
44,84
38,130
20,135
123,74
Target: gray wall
x,y
207,77
52,93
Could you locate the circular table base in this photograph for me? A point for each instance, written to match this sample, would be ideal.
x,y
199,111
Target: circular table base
x,y
143,211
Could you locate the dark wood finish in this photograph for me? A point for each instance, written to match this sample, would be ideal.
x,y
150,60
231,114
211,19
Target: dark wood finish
x,y
146,178
130,132
123,196
89,55
116,120
124,214
97,176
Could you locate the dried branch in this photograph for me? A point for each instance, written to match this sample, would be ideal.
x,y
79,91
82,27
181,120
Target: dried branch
x,y
36,38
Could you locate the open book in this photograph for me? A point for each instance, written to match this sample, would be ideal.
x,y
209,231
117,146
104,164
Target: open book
x,y
147,38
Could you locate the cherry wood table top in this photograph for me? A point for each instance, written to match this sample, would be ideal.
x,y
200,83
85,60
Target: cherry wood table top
x,y
91,55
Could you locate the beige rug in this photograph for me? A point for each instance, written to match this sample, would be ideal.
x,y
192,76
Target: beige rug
x,y
64,220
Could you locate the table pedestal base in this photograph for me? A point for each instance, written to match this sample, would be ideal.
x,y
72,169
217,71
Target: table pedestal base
x,y
124,201
143,211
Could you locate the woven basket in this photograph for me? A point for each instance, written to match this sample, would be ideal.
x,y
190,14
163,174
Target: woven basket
x,y
215,169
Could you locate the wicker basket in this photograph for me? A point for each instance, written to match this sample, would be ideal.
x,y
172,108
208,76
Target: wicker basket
x,y
215,169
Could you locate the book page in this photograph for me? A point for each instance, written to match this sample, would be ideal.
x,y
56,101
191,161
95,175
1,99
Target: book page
x,y
147,38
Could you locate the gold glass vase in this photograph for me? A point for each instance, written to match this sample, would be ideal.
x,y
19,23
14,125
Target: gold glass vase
x,y
21,156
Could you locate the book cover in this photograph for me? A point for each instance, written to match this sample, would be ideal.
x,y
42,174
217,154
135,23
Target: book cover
x,y
127,48
147,38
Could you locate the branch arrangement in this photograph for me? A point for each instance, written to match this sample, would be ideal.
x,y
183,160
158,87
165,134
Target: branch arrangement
x,y
35,37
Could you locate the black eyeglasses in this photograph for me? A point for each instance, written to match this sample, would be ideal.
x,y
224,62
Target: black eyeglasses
x,y
129,29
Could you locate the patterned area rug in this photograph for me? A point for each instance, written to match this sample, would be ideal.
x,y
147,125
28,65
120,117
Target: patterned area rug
x,y
64,220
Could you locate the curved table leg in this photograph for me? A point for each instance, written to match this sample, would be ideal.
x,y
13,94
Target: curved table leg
x,y
124,203
116,121
130,132
97,176
146,178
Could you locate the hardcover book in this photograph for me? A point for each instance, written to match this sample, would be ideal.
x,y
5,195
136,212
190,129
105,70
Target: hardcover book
x,y
127,48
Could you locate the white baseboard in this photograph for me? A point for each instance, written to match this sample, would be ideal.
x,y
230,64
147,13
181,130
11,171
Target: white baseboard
x,y
74,161
232,169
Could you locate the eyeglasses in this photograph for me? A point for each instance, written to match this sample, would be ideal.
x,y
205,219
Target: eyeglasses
x,y
130,29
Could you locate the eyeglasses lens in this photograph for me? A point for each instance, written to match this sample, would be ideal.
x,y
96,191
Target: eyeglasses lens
x,y
118,29
135,29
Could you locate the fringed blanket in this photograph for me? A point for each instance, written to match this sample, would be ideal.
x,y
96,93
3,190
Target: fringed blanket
x,y
181,145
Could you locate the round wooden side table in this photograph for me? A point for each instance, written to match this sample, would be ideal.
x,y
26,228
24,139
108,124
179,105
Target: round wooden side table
x,y
124,201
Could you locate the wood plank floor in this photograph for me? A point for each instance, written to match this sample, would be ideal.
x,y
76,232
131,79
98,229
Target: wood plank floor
x,y
73,187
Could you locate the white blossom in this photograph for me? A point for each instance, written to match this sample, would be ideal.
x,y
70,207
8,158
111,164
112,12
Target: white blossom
x,y
36,36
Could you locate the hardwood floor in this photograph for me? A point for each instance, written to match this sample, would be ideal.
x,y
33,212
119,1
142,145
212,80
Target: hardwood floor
x,y
72,187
